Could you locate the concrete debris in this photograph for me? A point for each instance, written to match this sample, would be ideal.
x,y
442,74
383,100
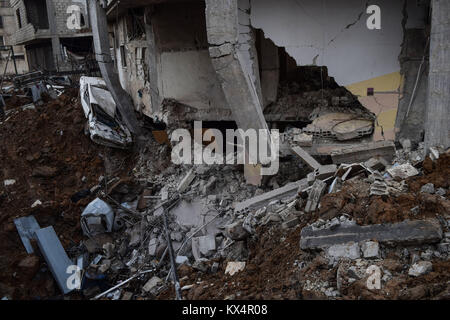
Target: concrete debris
x,y
349,250
9,182
55,256
406,232
234,267
317,191
153,285
187,180
420,268
306,158
363,152
370,249
403,171
427,188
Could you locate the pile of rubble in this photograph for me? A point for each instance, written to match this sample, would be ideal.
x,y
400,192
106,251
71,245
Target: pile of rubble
x,y
373,222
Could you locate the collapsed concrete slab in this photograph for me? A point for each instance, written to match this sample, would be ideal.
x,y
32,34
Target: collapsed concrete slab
x,y
406,233
364,151
317,191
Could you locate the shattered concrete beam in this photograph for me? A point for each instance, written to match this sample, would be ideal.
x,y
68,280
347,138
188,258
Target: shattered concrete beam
x,y
306,158
103,56
257,202
364,151
404,233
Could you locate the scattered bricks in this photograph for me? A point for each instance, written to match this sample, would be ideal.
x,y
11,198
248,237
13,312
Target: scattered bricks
x,y
406,232
364,151
349,250
370,249
290,223
317,190
306,158
420,268
427,188
187,180
403,171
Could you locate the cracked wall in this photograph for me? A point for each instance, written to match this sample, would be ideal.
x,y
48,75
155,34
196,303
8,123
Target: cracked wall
x,y
334,34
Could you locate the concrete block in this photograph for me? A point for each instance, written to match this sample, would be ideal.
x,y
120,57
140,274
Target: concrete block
x,y
317,191
326,171
55,256
403,171
207,244
406,233
370,249
152,284
349,250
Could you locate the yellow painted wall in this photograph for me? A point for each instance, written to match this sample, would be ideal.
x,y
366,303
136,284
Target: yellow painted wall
x,y
384,103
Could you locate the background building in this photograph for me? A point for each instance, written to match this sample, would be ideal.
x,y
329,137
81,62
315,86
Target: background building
x,y
8,28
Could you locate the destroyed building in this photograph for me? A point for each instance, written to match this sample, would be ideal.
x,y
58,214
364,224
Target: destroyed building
x,y
54,33
359,208
12,59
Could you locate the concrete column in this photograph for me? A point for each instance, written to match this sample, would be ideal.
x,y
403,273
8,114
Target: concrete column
x,y
153,56
103,56
56,44
437,128
234,60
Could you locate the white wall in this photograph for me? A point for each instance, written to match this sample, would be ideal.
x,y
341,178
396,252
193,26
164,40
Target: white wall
x,y
315,32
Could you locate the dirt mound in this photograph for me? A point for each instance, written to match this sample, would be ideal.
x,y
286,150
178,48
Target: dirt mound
x,y
47,154
354,198
269,273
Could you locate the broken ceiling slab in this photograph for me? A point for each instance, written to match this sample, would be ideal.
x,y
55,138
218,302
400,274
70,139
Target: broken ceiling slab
x,y
406,233
26,227
257,202
55,256
341,126
364,151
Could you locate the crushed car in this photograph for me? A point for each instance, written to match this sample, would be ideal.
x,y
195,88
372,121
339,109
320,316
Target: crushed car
x,y
104,124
